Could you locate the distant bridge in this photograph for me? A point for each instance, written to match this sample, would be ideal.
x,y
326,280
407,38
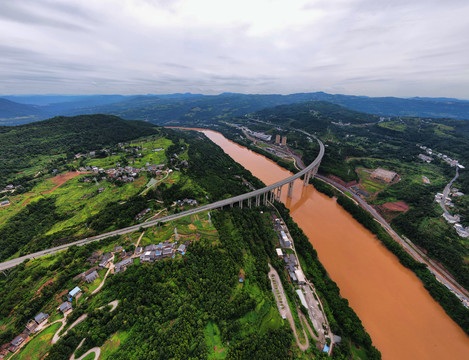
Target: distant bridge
x,y
268,193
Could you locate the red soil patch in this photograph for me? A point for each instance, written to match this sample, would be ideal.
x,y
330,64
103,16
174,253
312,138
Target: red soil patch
x,y
63,178
390,210
26,202
342,182
48,282
396,206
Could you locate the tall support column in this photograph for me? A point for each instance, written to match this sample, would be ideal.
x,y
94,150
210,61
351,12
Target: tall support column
x,y
290,189
249,202
279,193
240,204
307,177
231,205
315,170
265,198
258,200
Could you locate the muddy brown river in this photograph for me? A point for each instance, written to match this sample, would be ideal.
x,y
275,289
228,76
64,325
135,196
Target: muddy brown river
x,y
399,314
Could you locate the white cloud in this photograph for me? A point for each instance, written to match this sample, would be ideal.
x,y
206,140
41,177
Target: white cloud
x,y
371,47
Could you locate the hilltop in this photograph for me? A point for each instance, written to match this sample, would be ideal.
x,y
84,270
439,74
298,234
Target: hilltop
x,y
22,147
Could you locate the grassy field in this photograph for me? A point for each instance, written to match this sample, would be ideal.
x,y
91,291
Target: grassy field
x,y
393,125
358,354
89,357
188,228
82,200
369,185
39,345
111,345
214,344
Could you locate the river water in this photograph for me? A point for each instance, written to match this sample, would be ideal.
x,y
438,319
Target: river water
x,y
402,318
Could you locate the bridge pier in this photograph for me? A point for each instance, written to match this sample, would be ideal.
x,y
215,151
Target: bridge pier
x,y
249,202
279,193
265,197
231,204
240,204
258,200
290,189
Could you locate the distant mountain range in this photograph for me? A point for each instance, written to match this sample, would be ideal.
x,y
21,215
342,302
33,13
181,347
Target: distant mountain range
x,y
175,108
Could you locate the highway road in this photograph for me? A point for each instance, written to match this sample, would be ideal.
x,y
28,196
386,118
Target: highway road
x,y
215,205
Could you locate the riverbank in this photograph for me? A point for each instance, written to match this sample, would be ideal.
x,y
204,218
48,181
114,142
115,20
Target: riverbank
x,y
437,289
395,308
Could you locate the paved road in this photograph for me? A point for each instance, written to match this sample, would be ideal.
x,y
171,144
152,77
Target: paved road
x,y
446,192
216,205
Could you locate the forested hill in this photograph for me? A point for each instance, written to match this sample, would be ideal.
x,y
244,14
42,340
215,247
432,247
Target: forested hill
x,y
21,145
12,113
198,109
313,115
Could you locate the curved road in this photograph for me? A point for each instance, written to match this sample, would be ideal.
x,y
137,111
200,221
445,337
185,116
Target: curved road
x,y
446,192
215,205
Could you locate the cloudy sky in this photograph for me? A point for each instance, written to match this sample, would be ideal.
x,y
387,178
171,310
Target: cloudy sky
x,y
362,47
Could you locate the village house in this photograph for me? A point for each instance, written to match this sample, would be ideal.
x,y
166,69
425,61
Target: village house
x,y
65,307
41,317
425,158
31,326
142,213
17,341
92,276
148,256
121,266
74,292
105,259
182,249
138,250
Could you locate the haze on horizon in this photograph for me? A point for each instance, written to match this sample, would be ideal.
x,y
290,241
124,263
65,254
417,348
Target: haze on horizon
x,y
360,47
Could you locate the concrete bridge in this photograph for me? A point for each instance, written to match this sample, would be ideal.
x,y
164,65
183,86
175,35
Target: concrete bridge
x,y
256,198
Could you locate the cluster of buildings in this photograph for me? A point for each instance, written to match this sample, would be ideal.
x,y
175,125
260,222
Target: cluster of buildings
x,y
280,140
125,174
32,326
425,158
191,202
340,123
291,262
256,134
456,218
10,188
445,158
152,253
